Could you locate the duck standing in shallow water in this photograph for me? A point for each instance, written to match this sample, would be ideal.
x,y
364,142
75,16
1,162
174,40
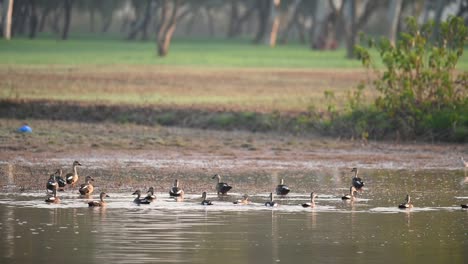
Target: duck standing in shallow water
x,y
87,188
282,189
407,203
312,201
204,200
175,191
243,201
139,200
349,196
51,184
150,194
53,198
357,182
221,187
72,178
180,198
101,201
271,203
61,181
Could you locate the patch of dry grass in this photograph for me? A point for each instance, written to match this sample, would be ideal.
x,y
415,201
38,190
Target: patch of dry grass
x,y
260,90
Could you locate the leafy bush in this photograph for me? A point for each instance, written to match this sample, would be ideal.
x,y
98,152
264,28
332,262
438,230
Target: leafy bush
x,y
422,94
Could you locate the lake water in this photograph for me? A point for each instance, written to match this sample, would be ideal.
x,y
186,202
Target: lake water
x,y
369,230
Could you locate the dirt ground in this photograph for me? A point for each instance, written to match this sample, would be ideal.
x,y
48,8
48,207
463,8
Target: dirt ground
x,y
103,143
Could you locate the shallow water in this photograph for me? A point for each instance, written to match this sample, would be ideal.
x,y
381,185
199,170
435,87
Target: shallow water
x,y
371,229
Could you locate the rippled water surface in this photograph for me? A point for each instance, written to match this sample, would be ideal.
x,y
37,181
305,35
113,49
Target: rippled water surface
x,y
369,230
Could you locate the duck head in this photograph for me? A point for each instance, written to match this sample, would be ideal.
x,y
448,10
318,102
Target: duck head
x,y
76,163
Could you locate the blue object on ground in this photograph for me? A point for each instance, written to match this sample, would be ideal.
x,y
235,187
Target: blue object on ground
x,y
25,129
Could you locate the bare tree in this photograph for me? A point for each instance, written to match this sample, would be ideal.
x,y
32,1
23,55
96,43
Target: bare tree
x,y
275,9
7,17
68,5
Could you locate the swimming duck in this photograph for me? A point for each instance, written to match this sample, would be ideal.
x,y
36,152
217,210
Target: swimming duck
x,y
312,201
271,203
357,182
72,178
61,181
463,162
87,188
175,190
150,194
51,184
349,196
464,206
282,189
139,200
53,198
221,187
407,203
205,201
101,201
243,201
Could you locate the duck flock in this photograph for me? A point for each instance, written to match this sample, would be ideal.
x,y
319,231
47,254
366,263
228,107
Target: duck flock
x,y
57,183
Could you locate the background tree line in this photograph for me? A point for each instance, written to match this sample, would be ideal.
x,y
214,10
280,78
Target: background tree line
x,y
321,24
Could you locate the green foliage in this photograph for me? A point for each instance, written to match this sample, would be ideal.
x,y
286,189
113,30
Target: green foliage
x,y
421,92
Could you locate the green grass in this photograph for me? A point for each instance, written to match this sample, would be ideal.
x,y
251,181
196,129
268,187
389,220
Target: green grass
x,y
183,52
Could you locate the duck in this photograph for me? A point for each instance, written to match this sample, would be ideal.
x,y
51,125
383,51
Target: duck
x,y
312,201
139,200
243,201
61,181
72,178
271,203
51,184
282,189
357,182
175,190
53,198
101,201
464,163
465,206
221,187
180,198
349,196
150,194
407,203
87,188
205,201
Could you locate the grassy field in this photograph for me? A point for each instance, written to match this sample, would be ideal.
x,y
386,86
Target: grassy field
x,y
199,53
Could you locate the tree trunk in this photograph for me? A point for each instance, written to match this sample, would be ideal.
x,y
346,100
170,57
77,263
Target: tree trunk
x,y
351,36
437,18
33,20
44,15
7,19
263,8
210,18
293,17
142,24
275,8
91,19
68,4
107,22
167,28
394,12
234,17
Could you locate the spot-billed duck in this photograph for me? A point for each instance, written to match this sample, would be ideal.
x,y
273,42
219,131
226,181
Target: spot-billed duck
x,y
175,190
101,201
139,200
221,187
282,189
72,177
87,188
271,203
